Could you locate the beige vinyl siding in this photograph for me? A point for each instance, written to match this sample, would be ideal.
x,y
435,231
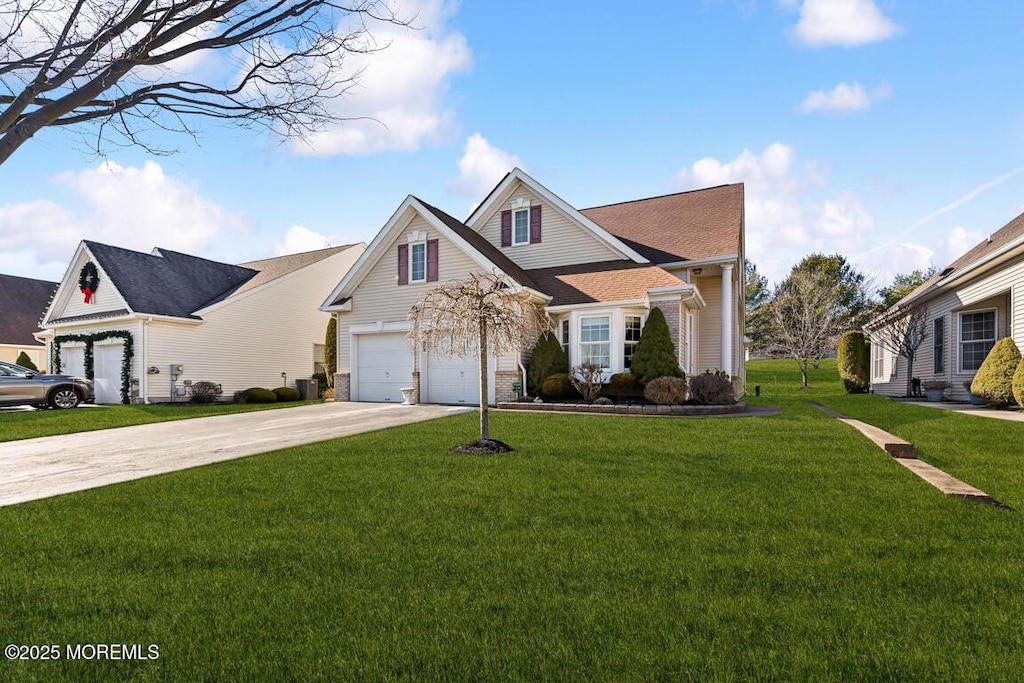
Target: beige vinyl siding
x,y
72,301
1002,290
380,299
250,340
9,354
709,325
563,241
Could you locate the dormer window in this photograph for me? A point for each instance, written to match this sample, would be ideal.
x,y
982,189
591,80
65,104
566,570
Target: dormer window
x,y
521,224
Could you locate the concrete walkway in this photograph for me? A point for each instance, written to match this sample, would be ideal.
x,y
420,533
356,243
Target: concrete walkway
x,y
968,409
52,465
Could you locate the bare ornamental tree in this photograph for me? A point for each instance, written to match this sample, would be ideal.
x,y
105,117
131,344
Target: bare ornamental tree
x,y
125,66
483,314
902,331
807,319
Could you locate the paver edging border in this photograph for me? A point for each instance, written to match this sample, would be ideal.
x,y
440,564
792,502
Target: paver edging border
x,y
645,409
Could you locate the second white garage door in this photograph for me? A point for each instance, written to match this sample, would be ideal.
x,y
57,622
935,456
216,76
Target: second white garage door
x,y
107,360
456,380
384,363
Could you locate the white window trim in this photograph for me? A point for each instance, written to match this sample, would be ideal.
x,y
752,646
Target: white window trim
x,y
515,242
412,249
878,363
643,321
939,358
611,337
960,335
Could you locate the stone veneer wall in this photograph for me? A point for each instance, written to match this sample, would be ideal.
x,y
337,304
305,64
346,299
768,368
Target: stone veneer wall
x,y
342,386
503,381
415,387
674,320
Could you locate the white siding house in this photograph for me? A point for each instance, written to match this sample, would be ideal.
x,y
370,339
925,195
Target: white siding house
x,y
969,305
254,324
598,272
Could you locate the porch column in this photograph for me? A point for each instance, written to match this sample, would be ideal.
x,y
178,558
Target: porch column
x,y
727,318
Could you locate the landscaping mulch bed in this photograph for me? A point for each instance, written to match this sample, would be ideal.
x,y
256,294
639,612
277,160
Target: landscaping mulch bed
x,y
629,409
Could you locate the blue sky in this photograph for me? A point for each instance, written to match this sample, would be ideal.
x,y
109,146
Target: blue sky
x,y
886,130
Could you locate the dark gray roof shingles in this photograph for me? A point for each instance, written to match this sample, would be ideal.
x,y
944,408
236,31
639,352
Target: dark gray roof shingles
x,y
23,301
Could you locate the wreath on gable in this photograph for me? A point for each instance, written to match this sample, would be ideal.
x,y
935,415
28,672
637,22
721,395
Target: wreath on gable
x,y
88,280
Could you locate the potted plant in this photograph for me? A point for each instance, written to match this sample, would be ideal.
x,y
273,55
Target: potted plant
x,y
975,400
934,389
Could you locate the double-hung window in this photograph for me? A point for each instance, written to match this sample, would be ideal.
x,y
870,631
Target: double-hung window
x,y
977,337
565,337
878,361
418,262
630,340
595,341
521,226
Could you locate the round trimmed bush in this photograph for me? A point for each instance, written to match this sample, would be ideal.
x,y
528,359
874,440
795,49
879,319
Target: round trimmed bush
x,y
257,395
994,380
284,394
712,388
622,384
853,361
559,386
665,390
548,358
1018,383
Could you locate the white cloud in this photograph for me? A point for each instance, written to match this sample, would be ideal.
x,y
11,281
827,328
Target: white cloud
x,y
397,102
845,97
783,220
959,242
132,207
481,167
298,239
847,23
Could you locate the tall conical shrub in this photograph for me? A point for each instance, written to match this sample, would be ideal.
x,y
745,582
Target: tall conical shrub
x,y
1018,383
331,350
548,358
852,354
994,381
25,362
655,355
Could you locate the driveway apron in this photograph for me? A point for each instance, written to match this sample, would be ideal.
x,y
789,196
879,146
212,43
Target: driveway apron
x,y
48,466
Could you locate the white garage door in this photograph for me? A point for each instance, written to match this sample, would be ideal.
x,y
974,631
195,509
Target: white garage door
x,y
456,380
384,366
107,360
72,361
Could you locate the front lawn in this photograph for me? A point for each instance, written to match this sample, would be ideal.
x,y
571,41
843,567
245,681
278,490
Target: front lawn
x,y
27,424
604,548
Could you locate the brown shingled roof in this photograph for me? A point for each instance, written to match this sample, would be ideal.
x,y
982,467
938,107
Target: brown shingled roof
x,y
586,283
677,227
279,266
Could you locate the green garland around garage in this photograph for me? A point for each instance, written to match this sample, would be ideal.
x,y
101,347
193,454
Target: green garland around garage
x,y
89,340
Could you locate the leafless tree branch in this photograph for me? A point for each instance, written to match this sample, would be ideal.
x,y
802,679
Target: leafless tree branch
x,y
902,330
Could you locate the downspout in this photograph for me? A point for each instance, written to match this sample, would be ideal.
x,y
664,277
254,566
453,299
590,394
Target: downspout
x,y
144,367
522,370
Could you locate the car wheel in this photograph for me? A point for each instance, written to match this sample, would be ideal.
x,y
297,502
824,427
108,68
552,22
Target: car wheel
x,y
65,397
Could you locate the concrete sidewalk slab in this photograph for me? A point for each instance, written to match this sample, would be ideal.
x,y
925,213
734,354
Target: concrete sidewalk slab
x,y
53,465
968,409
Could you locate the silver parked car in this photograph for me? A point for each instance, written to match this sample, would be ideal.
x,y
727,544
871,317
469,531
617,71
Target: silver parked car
x,y
23,387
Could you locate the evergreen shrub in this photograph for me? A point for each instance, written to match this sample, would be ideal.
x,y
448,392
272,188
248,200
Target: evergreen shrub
x,y
655,354
994,380
547,359
854,362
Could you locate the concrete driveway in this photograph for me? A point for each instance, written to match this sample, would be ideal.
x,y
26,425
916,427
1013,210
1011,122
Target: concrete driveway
x,y
52,465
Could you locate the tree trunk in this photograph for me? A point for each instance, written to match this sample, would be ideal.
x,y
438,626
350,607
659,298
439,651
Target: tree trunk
x,y
485,431
910,373
803,372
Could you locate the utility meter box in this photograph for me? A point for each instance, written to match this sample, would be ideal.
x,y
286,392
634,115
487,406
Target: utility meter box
x,y
176,368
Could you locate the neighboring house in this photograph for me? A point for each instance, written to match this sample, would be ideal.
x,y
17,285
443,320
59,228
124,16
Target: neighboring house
x,y
599,271
976,300
137,316
23,302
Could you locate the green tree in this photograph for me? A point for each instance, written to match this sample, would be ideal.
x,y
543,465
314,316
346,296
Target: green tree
x,y
994,379
853,361
655,354
806,318
851,287
331,350
756,296
902,285
548,358
25,362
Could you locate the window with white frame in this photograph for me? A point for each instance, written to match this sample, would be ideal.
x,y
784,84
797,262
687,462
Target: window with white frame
x,y
630,340
418,262
939,346
521,226
977,337
564,338
878,361
595,341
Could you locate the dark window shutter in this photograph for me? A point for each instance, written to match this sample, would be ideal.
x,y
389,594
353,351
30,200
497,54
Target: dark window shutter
x,y
535,224
403,264
431,260
506,228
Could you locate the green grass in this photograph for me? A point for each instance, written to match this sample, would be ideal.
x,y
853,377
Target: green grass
x,y
605,548
27,424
